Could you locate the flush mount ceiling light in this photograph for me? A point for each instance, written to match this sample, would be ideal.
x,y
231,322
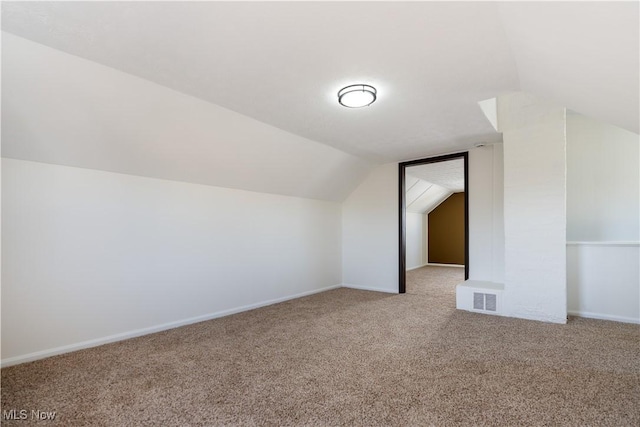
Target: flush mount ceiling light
x,y
356,96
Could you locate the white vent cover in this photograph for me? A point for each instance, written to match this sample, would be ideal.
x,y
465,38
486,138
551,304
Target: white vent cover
x,y
478,301
485,302
490,302
480,297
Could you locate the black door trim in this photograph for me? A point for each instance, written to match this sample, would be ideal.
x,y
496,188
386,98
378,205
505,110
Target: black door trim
x,y
402,240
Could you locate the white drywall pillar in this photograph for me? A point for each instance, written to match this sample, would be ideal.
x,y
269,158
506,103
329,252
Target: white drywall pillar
x,y
534,208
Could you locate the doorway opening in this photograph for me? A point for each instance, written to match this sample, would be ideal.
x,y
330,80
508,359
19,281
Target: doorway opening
x,y
419,194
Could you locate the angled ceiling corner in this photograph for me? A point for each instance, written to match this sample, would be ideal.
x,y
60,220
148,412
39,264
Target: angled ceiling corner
x,y
581,55
489,108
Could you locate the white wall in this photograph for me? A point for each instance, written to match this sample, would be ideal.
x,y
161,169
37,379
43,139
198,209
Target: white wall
x,y
370,225
534,208
486,221
370,232
603,181
91,256
425,240
603,280
416,238
498,214
603,216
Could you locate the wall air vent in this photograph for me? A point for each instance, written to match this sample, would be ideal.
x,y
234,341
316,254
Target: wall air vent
x,y
480,297
485,302
490,302
478,301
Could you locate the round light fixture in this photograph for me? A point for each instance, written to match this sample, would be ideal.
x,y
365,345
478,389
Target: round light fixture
x,y
356,96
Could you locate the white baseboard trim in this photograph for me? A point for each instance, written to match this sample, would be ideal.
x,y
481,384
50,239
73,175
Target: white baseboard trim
x,y
152,329
611,243
415,268
601,316
368,288
444,265
435,265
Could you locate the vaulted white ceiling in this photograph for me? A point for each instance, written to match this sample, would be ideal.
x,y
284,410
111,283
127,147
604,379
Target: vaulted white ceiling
x,y
282,63
448,174
430,184
581,55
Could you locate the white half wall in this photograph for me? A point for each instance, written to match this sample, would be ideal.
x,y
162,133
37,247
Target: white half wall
x,y
90,257
603,280
415,243
370,232
534,208
603,220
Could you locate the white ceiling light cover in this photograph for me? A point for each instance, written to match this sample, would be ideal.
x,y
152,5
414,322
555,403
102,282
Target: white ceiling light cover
x,y
357,96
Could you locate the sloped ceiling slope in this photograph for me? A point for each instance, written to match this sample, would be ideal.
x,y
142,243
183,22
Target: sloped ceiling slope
x,y
283,63
430,184
251,86
423,197
448,174
582,55
61,109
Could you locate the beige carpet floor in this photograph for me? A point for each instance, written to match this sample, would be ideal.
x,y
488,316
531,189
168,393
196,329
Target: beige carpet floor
x,y
346,357
435,281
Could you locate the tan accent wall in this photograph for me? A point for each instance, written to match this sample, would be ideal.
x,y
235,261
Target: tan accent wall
x,y
446,231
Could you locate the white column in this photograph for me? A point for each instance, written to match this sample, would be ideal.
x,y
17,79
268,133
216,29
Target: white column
x,y
534,208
